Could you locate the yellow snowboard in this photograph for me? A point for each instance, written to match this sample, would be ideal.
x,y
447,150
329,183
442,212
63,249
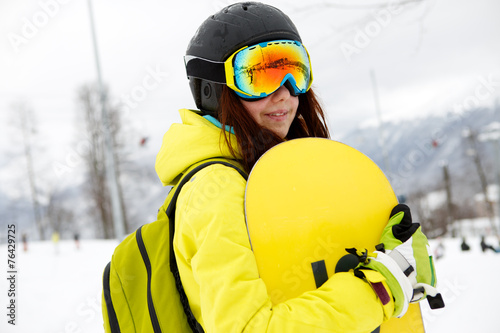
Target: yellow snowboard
x,y
306,201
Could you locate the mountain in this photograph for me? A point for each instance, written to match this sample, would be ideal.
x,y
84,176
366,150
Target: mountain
x,y
417,149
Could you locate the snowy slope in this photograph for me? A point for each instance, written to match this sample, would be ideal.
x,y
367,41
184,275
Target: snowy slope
x,y
61,292
469,284
58,292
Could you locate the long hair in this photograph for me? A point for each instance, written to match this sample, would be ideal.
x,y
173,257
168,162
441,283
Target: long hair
x,y
254,140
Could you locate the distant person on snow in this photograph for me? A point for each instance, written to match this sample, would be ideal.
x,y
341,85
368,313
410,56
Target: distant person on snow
x,y
25,241
464,246
76,237
55,241
439,250
485,246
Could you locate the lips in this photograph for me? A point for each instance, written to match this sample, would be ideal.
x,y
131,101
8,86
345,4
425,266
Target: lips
x,y
277,115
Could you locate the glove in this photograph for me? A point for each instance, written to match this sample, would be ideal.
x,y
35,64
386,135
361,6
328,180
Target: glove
x,y
403,258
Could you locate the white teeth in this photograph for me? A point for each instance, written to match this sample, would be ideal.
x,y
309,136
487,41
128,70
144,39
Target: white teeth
x,y
278,114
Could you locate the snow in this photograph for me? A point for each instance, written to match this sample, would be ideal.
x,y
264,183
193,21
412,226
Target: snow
x,y
60,291
491,192
434,200
469,284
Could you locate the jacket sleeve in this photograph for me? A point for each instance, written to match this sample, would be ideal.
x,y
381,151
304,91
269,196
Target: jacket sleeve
x,y
221,279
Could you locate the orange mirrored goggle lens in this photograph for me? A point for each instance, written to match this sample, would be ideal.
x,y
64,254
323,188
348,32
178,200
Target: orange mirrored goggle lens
x,y
261,69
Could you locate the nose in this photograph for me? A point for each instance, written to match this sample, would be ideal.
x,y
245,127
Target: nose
x,y
281,94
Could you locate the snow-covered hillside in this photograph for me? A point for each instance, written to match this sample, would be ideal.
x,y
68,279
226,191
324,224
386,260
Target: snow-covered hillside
x,y
59,290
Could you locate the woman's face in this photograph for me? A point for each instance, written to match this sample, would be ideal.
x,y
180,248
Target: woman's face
x,y
274,112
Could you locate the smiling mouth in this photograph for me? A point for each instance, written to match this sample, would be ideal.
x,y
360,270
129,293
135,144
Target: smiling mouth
x,y
278,114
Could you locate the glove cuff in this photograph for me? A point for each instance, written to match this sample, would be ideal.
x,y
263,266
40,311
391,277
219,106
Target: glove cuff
x,y
398,283
379,285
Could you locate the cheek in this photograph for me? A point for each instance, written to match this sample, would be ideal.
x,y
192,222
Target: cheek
x,y
295,103
255,108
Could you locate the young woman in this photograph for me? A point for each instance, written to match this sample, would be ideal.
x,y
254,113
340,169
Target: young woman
x,y
248,103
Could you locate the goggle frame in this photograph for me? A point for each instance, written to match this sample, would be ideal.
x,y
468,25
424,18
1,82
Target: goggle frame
x,y
211,70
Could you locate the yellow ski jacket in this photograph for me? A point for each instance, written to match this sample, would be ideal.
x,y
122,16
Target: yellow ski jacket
x,y
215,260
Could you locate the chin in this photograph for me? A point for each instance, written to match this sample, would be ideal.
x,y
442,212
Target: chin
x,y
282,134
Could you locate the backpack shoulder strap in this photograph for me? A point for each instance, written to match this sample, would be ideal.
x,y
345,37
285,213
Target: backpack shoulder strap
x,y
170,211
191,172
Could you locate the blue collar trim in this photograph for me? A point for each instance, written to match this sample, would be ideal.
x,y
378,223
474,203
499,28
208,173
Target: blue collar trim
x,y
217,123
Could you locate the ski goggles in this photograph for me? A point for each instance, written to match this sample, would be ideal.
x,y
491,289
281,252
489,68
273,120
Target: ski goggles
x,y
257,71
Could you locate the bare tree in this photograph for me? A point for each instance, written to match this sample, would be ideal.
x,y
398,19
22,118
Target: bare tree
x,y
24,120
60,217
97,187
433,220
450,209
474,153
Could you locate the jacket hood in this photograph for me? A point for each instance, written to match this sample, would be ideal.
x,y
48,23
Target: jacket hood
x,y
194,140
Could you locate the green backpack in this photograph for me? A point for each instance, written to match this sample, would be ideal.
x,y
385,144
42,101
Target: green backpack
x,y
142,291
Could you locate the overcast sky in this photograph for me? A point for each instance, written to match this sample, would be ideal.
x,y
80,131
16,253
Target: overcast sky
x,y
427,56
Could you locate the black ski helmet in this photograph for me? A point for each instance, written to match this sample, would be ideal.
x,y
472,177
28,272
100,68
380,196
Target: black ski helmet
x,y
233,27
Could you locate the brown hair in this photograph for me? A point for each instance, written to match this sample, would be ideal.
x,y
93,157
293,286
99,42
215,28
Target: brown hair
x,y
254,140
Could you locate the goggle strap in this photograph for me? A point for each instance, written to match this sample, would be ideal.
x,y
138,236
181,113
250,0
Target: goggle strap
x,y
205,69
